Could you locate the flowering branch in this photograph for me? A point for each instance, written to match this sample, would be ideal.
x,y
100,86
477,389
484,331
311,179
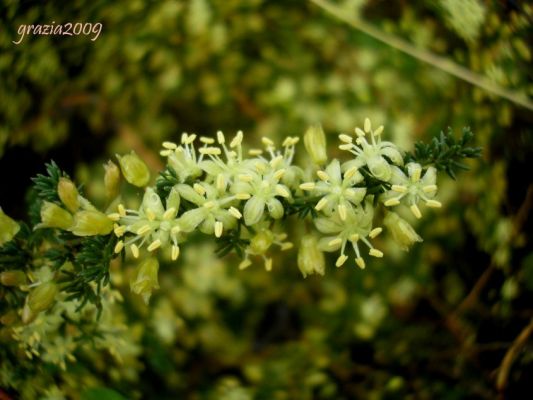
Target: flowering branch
x,y
210,186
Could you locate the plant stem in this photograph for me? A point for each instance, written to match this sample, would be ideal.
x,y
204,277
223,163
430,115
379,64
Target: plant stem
x,y
426,56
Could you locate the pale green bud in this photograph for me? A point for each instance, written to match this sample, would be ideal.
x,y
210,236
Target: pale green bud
x,y
310,259
90,223
173,199
42,297
8,228
402,232
134,169
261,242
111,180
145,280
53,216
379,167
315,144
68,193
275,208
13,278
152,202
253,210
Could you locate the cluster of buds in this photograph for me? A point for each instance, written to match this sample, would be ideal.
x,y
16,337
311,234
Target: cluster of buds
x,y
75,214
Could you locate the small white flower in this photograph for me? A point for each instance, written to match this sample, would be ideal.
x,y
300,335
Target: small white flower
x,y
373,153
183,159
412,188
152,224
212,215
357,227
338,191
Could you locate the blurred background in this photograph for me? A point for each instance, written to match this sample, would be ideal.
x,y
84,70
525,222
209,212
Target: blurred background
x,y
435,322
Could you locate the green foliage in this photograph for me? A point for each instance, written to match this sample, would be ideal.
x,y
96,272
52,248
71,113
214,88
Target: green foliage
x,y
165,182
91,270
445,152
232,242
46,185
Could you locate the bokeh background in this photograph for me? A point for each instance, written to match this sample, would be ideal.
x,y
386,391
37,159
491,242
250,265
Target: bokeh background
x,y
435,322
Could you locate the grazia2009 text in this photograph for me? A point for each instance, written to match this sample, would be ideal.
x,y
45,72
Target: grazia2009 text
x,y
66,29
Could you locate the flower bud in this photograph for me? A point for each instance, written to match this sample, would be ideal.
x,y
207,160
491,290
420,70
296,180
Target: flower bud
x,y
253,210
380,168
144,280
90,223
8,228
310,258
275,208
68,194
261,242
152,202
315,144
173,199
111,180
134,169
12,278
53,216
402,232
42,297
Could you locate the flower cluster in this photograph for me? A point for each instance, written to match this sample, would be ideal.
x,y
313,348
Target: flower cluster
x,y
211,186
219,191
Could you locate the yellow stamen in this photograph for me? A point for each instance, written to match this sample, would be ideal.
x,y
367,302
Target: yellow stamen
x,y
334,242
433,203
350,173
416,211
143,230
168,214
170,145
218,229
199,189
119,246
134,250
175,252
392,202
307,186
154,245
399,188
321,204
342,212
322,175
345,138
236,213
375,253
375,232
341,260
245,264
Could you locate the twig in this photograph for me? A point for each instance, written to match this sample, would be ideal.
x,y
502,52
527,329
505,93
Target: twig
x,y
439,62
507,362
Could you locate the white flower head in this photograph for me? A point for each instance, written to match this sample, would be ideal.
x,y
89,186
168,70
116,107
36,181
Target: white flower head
x,y
356,228
412,188
375,154
152,224
337,189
